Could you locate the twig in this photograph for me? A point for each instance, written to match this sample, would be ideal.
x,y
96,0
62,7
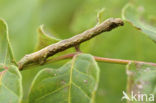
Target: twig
x,y
43,54
101,59
121,61
77,48
98,59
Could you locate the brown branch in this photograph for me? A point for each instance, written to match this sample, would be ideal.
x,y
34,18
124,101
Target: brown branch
x,y
98,59
121,61
101,59
43,54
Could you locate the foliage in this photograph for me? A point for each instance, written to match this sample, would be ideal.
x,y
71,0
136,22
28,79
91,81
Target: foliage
x,y
10,77
64,19
6,55
141,79
10,85
74,82
45,39
135,16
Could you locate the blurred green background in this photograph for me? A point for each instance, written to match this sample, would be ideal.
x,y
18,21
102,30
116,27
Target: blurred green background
x,y
65,18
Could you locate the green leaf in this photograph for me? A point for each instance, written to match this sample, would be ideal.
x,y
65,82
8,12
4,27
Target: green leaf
x,y
45,39
6,55
111,82
74,82
134,15
10,85
141,79
99,16
25,16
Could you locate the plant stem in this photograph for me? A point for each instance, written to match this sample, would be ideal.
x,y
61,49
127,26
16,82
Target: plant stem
x,y
98,59
101,59
41,55
130,81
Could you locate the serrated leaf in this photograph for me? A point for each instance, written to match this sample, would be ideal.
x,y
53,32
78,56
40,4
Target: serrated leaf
x,y
6,55
44,38
10,84
141,80
74,82
134,15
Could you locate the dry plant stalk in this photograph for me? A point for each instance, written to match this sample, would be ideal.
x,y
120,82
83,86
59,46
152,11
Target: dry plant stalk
x,y
41,55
